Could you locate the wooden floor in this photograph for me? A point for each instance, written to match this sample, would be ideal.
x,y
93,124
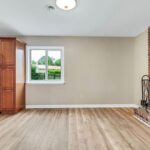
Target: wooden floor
x,y
73,129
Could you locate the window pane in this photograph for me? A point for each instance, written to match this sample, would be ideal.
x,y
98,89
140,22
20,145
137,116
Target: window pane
x,y
54,65
38,65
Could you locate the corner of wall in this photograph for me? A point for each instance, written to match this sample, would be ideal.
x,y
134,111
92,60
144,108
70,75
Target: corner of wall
x,y
140,63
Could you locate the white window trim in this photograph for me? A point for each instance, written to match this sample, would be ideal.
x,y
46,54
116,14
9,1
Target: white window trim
x,y
28,66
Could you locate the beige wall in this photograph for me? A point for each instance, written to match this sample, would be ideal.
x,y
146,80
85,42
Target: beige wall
x,y
97,71
140,63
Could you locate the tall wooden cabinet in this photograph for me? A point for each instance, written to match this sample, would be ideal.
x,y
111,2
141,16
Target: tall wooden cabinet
x,y
12,75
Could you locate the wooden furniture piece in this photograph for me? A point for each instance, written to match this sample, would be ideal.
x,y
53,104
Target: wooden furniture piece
x,y
12,75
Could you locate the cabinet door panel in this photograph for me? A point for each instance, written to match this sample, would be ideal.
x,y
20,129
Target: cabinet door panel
x,y
7,78
0,87
7,99
0,78
0,100
1,52
7,52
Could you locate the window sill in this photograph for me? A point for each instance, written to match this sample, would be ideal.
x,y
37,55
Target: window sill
x,y
45,83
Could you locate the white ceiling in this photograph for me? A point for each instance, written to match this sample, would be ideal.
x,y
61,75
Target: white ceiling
x,y
90,18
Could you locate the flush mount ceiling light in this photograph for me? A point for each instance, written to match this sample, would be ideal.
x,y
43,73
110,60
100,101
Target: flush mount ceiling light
x,y
66,4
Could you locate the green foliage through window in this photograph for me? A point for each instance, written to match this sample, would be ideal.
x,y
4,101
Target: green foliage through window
x,y
38,71
36,76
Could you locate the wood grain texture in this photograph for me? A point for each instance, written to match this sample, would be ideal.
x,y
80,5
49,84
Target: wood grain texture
x,y
7,51
12,98
1,56
7,100
73,129
20,96
7,78
149,51
21,76
7,73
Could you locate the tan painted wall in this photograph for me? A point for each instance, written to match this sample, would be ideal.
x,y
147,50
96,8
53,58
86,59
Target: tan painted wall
x,y
140,63
97,71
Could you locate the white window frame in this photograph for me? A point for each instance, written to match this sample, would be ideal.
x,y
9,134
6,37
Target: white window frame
x,y
28,66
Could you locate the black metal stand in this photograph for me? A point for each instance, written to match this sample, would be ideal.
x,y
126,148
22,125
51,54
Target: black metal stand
x,y
143,112
145,81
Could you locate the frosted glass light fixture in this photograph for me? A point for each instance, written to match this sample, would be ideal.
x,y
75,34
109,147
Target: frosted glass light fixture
x,y
66,4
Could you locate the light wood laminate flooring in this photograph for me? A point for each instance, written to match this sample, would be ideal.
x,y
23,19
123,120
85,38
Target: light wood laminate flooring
x,y
73,129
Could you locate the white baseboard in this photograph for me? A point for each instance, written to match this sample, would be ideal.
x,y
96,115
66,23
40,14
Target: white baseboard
x,y
85,106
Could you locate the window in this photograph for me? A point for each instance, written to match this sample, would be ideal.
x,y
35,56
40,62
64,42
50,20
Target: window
x,y
45,64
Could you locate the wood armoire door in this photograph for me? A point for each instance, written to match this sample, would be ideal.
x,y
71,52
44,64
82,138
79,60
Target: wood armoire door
x,y
7,77
7,51
0,89
7,73
1,52
7,100
7,87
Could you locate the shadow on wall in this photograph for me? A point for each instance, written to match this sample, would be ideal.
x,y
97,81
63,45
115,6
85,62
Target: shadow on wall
x,y
7,30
